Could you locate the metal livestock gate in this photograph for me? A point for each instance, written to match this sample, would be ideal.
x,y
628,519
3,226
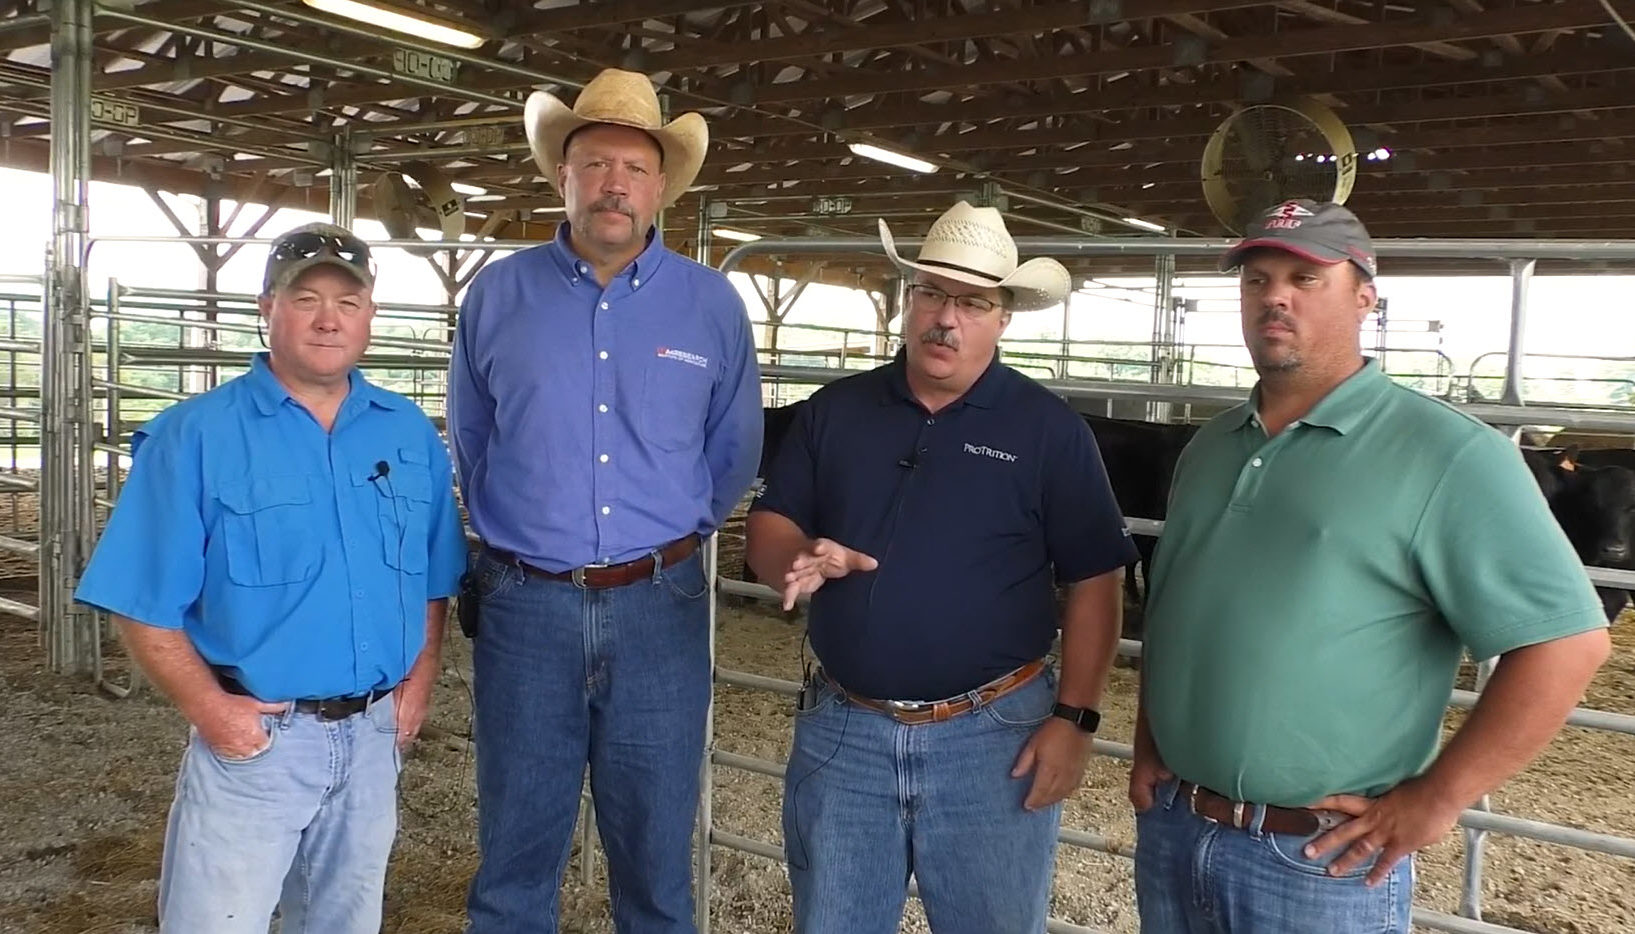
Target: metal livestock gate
x,y
90,395
1519,255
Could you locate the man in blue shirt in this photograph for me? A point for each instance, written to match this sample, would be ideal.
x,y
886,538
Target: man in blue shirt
x,y
929,507
279,564
605,411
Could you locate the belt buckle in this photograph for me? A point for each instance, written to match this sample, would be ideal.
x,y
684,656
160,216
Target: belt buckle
x,y
1192,804
909,706
577,575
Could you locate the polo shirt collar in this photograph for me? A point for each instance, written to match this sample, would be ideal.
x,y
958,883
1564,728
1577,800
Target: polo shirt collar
x,y
984,393
1344,406
269,394
573,267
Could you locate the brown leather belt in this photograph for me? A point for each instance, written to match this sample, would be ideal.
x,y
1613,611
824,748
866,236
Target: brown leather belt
x,y
1211,806
606,576
915,713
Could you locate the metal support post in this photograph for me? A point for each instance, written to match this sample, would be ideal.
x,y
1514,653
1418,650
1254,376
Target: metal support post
x,y
1521,277
66,342
343,180
1163,331
706,775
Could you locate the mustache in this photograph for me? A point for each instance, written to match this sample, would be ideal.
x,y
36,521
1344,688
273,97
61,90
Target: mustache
x,y
1273,316
940,334
612,204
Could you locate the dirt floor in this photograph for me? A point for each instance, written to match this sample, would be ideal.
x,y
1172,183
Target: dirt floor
x,y
86,780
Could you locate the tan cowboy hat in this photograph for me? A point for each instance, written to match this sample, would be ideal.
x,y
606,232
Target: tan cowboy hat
x,y
971,245
624,98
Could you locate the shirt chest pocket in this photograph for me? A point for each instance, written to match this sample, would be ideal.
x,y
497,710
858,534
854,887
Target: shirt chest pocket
x,y
267,524
403,502
675,403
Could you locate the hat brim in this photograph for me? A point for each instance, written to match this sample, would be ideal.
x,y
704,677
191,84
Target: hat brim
x,y
549,122
1037,284
299,268
1311,253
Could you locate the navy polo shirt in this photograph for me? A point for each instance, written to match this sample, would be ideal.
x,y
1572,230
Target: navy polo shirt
x,y
972,513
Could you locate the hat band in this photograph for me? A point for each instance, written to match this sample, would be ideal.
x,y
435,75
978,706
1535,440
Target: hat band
x,y
958,268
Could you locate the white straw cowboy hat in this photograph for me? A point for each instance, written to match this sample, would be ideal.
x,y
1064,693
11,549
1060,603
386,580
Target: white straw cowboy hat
x,y
971,245
624,98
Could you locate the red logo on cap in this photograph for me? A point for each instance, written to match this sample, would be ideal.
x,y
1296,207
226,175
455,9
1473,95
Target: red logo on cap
x,y
1286,216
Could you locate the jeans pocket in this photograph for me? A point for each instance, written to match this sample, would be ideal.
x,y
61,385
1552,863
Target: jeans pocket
x,y
1290,850
824,697
494,577
687,579
1027,706
269,724
383,714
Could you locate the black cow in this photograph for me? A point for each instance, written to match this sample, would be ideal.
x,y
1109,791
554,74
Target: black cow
x,y
1140,458
775,425
1592,495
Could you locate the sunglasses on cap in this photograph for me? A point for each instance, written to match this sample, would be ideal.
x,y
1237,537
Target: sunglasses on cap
x,y
307,245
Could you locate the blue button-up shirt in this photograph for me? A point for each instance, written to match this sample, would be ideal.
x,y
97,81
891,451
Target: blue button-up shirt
x,y
594,424
246,525
971,512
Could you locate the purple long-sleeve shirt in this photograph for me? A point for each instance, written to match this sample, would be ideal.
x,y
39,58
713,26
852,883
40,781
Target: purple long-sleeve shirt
x,y
593,425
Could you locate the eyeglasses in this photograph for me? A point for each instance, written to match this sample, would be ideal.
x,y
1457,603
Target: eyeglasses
x,y
929,297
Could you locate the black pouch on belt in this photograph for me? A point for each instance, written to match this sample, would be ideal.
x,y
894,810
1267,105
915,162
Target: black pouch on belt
x,y
468,607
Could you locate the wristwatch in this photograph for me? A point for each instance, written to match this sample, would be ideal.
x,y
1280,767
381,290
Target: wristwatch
x,y
1082,717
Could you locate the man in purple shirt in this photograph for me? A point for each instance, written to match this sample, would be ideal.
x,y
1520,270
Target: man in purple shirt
x,y
605,414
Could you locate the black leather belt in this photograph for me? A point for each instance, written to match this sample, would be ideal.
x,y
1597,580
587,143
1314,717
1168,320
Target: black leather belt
x,y
326,708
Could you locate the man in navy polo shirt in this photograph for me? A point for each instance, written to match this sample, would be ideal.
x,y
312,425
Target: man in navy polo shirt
x,y
279,564
929,506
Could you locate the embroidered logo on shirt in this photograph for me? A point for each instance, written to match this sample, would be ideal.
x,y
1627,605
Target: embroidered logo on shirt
x,y
670,353
982,450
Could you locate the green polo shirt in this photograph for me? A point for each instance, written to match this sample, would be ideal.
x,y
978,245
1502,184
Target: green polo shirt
x,y
1312,592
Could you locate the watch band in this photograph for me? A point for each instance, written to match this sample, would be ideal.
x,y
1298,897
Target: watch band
x,y
1082,717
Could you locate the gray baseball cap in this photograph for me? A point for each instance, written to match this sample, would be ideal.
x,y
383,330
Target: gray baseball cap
x,y
1319,231
315,245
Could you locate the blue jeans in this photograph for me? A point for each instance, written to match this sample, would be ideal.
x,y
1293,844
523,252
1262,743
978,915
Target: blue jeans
x,y
869,801
616,678
1197,877
305,825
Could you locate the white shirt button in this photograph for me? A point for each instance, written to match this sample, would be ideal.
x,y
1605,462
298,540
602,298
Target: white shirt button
x,y
635,283
583,271
604,308
603,355
603,458
602,407
606,510
1255,463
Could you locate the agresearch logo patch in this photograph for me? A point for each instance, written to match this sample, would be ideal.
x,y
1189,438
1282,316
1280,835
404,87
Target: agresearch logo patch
x,y
670,353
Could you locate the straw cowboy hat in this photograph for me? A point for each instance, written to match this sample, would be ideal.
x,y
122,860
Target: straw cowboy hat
x,y
971,245
624,98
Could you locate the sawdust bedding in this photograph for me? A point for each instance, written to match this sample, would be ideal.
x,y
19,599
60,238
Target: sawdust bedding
x,y
86,780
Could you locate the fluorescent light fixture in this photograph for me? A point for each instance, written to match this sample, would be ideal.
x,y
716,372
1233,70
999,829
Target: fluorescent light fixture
x,y
410,24
484,197
466,188
727,233
889,157
1144,224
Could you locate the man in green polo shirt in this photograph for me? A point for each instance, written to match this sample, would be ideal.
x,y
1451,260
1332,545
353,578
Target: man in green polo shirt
x,y
1332,546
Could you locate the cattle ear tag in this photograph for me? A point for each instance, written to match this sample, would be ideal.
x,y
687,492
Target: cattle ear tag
x,y
1569,458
